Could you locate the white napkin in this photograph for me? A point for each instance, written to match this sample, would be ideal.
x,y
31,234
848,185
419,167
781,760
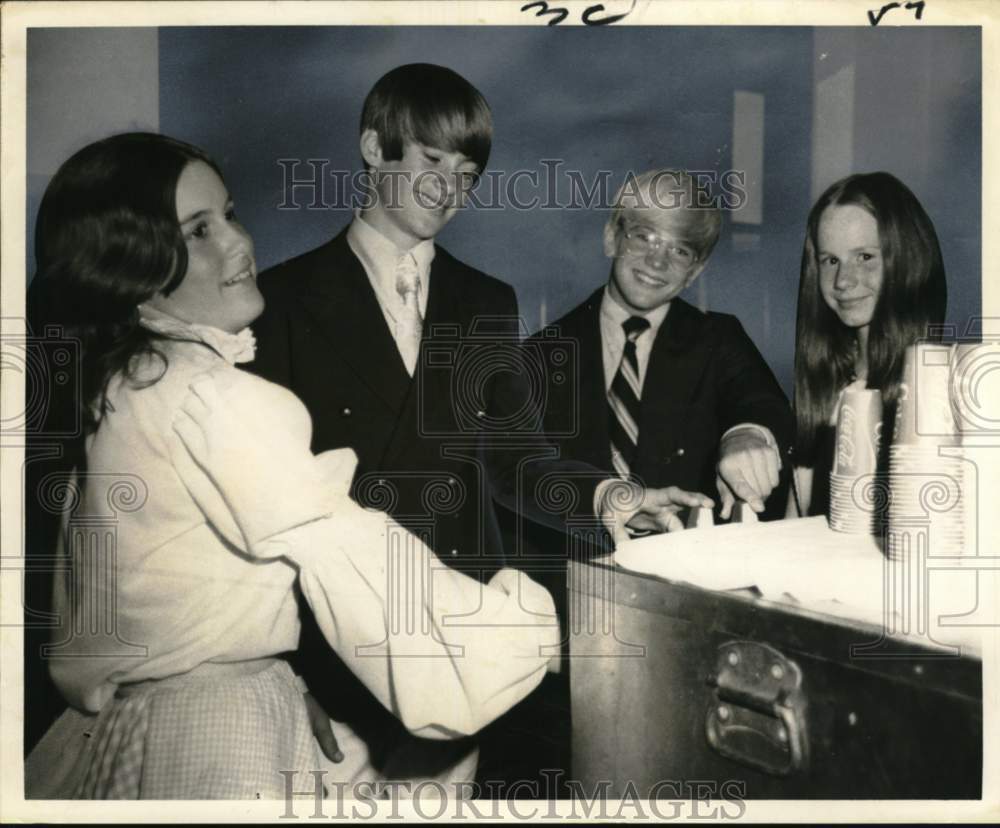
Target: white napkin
x,y
804,563
801,558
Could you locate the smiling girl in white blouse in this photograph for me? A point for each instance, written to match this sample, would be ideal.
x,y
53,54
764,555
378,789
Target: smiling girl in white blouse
x,y
142,259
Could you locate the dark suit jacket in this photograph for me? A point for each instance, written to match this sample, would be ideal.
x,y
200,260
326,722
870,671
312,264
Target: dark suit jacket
x,y
433,449
704,376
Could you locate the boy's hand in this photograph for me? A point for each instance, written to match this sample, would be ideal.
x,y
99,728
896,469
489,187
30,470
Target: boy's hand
x,y
321,729
624,504
748,470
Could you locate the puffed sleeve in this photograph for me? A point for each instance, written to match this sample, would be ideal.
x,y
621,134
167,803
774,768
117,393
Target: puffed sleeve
x,y
443,652
156,583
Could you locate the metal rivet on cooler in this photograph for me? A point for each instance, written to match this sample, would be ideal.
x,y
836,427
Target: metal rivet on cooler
x,y
777,671
733,658
723,712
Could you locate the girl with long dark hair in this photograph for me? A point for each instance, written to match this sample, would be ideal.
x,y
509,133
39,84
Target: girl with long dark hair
x,y
196,513
872,283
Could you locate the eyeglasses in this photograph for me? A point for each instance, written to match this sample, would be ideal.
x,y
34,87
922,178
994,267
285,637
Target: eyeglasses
x,y
641,242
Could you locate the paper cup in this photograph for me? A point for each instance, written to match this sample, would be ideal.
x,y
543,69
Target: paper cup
x,y
859,427
925,407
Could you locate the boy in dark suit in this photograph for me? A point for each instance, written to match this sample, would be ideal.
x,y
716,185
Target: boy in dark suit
x,y
684,397
664,393
374,331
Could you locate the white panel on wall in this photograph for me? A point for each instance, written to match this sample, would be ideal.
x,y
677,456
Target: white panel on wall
x,y
748,153
833,129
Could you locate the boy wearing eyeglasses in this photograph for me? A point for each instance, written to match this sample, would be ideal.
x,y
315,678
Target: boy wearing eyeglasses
x,y
661,392
682,397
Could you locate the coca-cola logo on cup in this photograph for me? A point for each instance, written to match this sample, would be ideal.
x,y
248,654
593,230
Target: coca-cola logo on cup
x,y
845,438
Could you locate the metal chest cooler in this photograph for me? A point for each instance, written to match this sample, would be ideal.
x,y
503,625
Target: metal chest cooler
x,y
673,683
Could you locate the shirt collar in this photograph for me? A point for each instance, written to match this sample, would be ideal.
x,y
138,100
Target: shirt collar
x,y
615,314
379,255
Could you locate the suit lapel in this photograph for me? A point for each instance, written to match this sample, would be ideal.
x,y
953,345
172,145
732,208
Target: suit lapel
x,y
340,299
584,327
678,355
676,364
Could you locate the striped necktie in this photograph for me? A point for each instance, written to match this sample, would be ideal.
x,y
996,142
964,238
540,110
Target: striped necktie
x,y
623,400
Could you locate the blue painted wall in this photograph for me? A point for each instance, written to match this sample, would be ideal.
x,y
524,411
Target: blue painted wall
x,y
611,99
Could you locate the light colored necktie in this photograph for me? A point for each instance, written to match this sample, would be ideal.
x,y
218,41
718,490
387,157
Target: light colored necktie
x,y
410,322
623,400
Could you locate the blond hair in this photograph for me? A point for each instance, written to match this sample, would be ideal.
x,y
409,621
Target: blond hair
x,y
690,204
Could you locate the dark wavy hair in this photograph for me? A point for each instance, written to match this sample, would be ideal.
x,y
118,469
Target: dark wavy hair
x,y
106,240
431,105
910,306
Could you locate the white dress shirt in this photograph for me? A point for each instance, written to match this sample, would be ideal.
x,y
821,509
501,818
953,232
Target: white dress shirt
x,y
613,337
613,345
378,255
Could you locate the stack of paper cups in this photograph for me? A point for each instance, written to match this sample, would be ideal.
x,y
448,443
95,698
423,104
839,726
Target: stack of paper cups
x,y
926,505
859,428
974,378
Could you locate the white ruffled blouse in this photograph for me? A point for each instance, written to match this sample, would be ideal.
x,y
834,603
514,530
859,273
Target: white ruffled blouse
x,y
232,347
158,580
